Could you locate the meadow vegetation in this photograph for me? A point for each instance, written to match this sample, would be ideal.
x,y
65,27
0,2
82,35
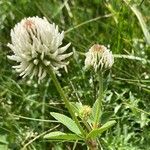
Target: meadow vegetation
x,y
25,105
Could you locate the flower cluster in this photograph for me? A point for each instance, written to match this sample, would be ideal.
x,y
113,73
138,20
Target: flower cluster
x,y
85,112
99,57
36,45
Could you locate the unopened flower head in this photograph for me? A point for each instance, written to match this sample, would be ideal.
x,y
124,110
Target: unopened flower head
x,y
85,112
36,45
99,57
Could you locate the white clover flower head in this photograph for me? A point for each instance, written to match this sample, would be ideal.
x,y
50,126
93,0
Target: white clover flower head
x,y
99,57
36,45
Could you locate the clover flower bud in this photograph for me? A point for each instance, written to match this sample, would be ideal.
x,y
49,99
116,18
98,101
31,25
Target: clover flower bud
x,y
99,57
85,112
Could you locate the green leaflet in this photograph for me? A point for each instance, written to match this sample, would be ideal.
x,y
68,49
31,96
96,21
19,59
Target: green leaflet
x,y
68,122
94,111
96,132
61,136
76,107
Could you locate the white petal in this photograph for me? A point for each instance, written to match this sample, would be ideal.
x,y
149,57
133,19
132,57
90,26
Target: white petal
x,y
64,56
40,72
36,61
63,49
46,62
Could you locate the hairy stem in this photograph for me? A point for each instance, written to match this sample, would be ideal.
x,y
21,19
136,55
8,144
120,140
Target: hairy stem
x,y
92,145
99,100
62,94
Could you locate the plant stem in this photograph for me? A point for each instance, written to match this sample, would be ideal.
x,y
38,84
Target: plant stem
x,y
62,94
92,145
99,100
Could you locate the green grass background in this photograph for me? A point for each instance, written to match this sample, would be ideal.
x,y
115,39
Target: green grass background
x,y
25,106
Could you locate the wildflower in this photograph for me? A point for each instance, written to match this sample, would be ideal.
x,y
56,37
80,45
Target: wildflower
x,y
99,57
36,45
